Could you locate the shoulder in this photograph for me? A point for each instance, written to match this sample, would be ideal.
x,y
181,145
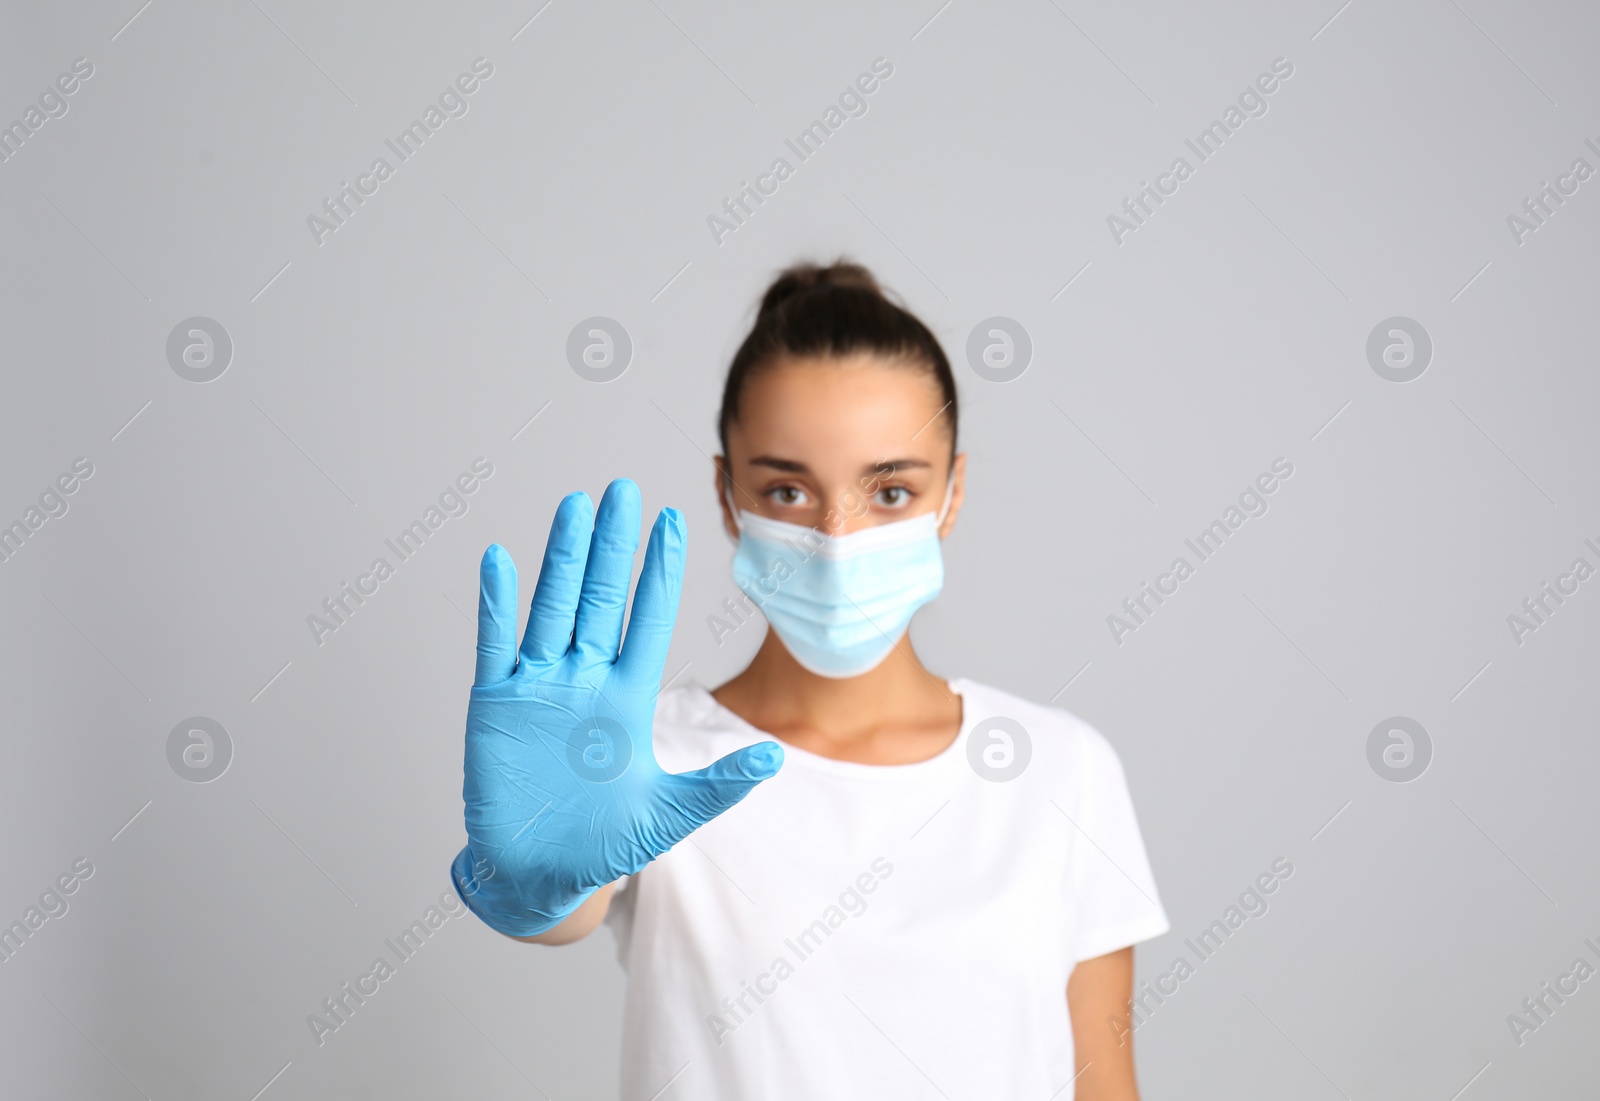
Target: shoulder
x,y
692,729
1062,743
685,705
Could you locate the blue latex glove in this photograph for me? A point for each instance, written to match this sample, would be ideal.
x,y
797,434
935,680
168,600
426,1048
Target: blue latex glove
x,y
562,790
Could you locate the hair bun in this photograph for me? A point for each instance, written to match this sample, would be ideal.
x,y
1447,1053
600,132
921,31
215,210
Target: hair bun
x,y
830,312
806,276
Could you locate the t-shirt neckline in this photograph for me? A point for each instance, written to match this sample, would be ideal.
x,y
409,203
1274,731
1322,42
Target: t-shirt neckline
x,y
857,770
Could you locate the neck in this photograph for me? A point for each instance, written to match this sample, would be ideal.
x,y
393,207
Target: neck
x,y
777,693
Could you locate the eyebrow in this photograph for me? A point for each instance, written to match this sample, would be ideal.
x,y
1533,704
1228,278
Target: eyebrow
x,y
790,466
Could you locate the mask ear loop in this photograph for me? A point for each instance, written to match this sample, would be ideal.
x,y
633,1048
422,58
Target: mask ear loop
x,y
949,492
733,510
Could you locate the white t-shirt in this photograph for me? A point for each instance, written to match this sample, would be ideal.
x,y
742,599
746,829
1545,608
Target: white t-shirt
x,y
880,931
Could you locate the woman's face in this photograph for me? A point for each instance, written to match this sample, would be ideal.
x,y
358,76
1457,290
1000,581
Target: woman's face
x,y
840,445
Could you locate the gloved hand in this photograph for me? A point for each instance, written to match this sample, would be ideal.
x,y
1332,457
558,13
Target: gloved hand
x,y
562,790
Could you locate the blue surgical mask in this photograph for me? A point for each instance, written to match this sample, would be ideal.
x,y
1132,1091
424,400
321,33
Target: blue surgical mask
x,y
840,602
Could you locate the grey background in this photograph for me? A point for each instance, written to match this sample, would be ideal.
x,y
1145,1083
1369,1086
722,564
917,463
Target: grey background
x,y
1227,331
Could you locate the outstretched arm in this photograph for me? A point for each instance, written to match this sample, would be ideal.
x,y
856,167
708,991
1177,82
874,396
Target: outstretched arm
x,y
580,923
561,789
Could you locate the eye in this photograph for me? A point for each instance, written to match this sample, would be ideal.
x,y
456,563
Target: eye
x,y
787,496
894,497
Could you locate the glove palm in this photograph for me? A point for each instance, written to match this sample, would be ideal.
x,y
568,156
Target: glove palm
x,y
561,787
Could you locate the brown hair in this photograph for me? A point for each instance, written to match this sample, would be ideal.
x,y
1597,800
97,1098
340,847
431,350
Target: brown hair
x,y
834,310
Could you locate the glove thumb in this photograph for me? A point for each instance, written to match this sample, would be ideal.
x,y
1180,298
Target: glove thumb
x,y
701,795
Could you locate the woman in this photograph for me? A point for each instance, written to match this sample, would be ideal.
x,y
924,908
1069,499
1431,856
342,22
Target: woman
x,y
930,887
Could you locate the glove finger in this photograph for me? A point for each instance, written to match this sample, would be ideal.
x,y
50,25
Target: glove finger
x,y
555,598
604,599
655,602
699,796
497,617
